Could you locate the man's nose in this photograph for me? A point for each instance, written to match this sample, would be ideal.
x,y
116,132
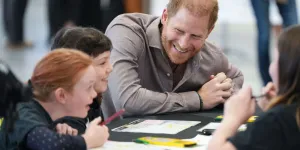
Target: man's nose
x,y
184,42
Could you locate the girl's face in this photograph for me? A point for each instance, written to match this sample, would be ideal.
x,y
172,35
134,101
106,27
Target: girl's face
x,y
82,95
103,68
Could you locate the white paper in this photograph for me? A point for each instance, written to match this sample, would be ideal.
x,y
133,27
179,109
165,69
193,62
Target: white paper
x,y
156,126
215,125
201,141
112,145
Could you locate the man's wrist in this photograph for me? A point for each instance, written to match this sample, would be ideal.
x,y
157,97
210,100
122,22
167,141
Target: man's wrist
x,y
201,102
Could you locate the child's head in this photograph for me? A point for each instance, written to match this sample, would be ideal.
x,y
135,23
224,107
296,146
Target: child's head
x,y
94,43
65,78
89,40
285,68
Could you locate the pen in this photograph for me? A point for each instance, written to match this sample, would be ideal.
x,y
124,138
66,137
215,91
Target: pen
x,y
117,114
257,97
208,131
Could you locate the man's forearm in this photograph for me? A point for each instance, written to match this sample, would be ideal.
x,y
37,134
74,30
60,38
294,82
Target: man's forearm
x,y
143,102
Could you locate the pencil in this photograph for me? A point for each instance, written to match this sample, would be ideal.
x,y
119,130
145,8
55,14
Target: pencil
x,y
257,97
111,118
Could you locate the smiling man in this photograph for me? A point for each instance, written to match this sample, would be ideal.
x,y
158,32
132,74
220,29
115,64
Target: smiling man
x,y
164,64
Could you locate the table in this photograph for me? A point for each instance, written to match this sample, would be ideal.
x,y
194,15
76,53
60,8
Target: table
x,y
205,118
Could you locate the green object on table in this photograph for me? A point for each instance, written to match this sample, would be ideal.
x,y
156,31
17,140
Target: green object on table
x,y
219,118
1,120
251,119
165,141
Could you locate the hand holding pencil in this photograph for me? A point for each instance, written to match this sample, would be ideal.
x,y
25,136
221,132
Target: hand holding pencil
x,y
240,107
269,92
117,114
95,135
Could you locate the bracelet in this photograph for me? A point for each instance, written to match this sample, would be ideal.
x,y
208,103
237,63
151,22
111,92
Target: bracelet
x,y
201,101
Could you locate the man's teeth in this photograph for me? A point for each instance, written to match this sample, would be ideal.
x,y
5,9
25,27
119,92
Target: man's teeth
x,y
179,49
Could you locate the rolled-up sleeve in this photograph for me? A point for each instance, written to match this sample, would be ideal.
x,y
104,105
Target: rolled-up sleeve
x,y
233,73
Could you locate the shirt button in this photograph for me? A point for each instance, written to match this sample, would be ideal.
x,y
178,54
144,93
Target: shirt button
x,y
194,63
168,74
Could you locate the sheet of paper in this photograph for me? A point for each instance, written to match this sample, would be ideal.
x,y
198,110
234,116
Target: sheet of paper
x,y
113,145
215,125
156,126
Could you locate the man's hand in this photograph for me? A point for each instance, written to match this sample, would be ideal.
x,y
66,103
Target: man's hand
x,y
66,129
216,90
228,80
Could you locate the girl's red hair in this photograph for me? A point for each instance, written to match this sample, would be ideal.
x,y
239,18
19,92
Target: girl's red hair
x,y
61,68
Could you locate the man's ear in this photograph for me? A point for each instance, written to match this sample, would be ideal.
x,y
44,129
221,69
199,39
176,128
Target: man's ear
x,y
61,95
164,17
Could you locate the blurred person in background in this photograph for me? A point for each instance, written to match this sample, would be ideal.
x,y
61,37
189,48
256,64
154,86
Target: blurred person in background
x,y
62,13
99,13
288,12
86,13
13,15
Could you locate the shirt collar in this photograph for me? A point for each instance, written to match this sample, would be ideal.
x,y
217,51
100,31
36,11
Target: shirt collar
x,y
154,35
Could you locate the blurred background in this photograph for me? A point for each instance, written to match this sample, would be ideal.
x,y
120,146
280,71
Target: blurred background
x,y
26,28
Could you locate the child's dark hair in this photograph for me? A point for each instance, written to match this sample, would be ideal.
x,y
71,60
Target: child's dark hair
x,y
89,40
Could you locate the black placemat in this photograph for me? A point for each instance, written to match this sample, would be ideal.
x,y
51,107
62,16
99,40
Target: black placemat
x,y
185,134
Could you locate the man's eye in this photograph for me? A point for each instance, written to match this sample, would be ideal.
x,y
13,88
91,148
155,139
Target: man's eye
x,y
179,31
196,37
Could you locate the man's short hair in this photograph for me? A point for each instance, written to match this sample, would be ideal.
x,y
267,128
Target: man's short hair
x,y
197,7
